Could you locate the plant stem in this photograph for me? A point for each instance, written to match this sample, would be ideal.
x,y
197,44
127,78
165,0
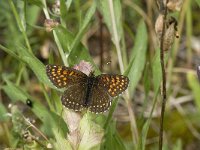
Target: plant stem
x,y
60,49
116,36
162,62
116,40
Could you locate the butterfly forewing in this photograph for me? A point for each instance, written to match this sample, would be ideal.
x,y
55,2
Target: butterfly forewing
x,y
113,84
62,76
74,96
100,100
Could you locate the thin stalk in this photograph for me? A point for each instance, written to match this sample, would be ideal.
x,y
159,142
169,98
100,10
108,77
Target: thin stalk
x,y
20,25
132,119
47,98
189,34
36,129
121,65
111,111
78,13
60,49
11,53
19,76
116,36
124,53
141,145
101,41
7,133
162,62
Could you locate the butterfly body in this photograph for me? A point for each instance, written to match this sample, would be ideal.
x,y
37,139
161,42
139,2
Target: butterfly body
x,y
90,84
82,91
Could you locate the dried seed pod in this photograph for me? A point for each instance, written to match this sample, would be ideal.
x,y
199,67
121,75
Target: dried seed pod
x,y
173,20
169,37
174,5
50,24
170,33
159,25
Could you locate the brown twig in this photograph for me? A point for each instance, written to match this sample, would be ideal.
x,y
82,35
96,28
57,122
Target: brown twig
x,y
163,10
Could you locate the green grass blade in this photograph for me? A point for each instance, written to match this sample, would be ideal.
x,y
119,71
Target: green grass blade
x,y
138,57
65,37
3,113
87,19
198,2
63,12
103,7
112,139
195,87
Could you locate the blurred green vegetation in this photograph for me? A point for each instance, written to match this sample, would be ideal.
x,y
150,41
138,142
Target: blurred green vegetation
x,y
115,37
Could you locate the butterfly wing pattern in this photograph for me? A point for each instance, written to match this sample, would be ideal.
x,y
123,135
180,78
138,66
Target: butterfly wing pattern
x,y
73,97
113,84
82,91
100,100
64,77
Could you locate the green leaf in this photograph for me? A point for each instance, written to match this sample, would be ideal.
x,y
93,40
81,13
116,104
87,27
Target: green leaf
x,y
56,100
21,8
34,12
145,128
61,143
195,87
112,139
90,13
198,2
103,7
76,55
157,73
138,57
3,112
147,79
38,3
13,92
37,67
177,145
68,3
34,64
65,37
91,133
17,17
142,139
63,10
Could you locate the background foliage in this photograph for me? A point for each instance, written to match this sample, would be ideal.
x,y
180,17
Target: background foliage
x,y
115,37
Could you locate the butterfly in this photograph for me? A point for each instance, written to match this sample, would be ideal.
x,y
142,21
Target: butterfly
x,y
82,91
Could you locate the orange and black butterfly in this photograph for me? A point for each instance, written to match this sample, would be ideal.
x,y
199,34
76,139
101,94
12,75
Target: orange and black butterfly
x,y
82,91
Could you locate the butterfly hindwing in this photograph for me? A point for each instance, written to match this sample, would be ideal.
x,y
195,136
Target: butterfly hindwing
x,y
74,97
62,76
100,100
